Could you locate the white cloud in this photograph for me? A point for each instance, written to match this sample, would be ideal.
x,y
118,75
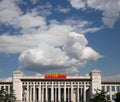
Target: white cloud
x,y
47,57
71,71
75,44
81,26
43,10
90,54
44,58
110,9
9,11
40,50
78,4
79,23
50,46
63,9
76,47
11,14
55,35
28,21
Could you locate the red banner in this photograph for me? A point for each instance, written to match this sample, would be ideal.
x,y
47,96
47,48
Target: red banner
x,y
55,75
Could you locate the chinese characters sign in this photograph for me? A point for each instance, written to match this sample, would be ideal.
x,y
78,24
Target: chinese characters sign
x,y
55,76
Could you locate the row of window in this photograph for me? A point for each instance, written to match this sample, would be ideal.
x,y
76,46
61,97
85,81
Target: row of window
x,y
112,88
49,83
7,88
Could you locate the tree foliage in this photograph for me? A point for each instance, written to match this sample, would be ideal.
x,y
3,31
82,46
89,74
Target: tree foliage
x,y
117,97
5,96
100,96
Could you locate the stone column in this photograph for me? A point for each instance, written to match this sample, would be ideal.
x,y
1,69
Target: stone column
x,y
65,92
8,89
52,93
55,95
27,92
23,93
39,97
81,98
78,92
84,96
110,91
34,98
30,93
68,94
71,92
59,92
42,95
46,93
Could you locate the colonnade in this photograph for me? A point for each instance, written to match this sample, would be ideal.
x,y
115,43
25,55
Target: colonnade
x,y
54,93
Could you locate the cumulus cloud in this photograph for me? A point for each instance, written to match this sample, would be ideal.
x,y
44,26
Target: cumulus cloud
x,y
47,57
54,34
44,58
9,11
110,9
11,14
45,45
76,47
29,20
75,44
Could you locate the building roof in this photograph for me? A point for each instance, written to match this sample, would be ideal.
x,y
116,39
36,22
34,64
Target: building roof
x,y
6,83
55,79
18,72
110,82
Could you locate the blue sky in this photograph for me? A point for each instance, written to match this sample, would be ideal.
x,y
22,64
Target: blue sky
x,y
70,36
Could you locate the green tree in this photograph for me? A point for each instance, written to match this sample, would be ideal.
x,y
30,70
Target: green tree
x,y
5,96
2,95
100,96
117,97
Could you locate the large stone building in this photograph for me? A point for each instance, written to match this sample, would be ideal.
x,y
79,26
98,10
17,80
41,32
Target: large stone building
x,y
58,87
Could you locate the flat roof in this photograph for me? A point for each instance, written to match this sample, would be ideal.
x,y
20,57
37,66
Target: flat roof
x,y
55,79
6,82
110,82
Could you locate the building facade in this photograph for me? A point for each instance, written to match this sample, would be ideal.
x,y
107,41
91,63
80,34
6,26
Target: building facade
x,y
58,87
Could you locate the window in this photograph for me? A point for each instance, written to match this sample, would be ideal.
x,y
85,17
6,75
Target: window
x,y
113,97
2,87
108,88
118,88
103,88
113,88
11,89
6,88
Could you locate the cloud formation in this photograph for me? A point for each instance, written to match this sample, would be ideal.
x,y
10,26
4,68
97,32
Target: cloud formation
x,y
45,45
74,53
11,14
110,9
